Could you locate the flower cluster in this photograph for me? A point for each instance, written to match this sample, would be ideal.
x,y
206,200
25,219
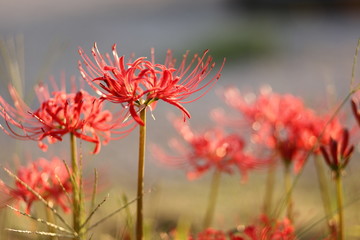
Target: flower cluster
x,y
50,179
283,123
264,229
135,86
212,148
140,83
267,229
61,113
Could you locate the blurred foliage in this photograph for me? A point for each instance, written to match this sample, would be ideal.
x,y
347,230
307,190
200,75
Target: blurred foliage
x,y
288,5
239,43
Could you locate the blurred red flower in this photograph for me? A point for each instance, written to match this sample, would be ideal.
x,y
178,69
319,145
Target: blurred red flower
x,y
50,179
267,229
337,153
60,113
206,150
282,123
263,229
141,83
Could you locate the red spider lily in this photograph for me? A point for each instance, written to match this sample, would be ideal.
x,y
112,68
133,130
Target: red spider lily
x,y
141,83
265,229
337,153
50,179
355,108
280,122
210,149
60,113
323,129
270,230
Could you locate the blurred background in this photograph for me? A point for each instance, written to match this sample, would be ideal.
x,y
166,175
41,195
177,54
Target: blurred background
x,y
300,47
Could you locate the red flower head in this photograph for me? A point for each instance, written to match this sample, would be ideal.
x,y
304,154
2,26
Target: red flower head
x,y
210,149
60,113
48,178
268,230
355,107
264,229
280,122
337,153
210,234
142,82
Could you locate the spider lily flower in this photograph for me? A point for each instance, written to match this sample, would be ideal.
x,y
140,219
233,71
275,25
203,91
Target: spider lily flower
x,y
337,153
281,123
355,108
141,83
264,229
206,150
50,179
270,230
61,113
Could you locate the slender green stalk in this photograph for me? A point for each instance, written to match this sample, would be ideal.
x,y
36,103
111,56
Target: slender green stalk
x,y
51,225
353,89
78,200
3,220
140,183
324,190
93,197
42,200
128,217
214,188
288,191
269,189
281,205
111,214
339,198
51,218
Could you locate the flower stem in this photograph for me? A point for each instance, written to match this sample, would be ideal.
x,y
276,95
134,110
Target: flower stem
x,y
78,200
214,188
324,190
288,191
51,218
339,197
269,189
140,183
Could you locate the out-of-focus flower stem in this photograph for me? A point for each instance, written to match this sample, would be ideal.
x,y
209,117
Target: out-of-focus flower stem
x,y
78,200
269,189
288,191
214,188
51,218
324,190
141,170
339,198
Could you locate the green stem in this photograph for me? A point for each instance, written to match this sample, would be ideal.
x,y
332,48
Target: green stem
x,y
339,197
140,183
50,218
324,190
269,189
214,188
288,191
78,200
310,152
